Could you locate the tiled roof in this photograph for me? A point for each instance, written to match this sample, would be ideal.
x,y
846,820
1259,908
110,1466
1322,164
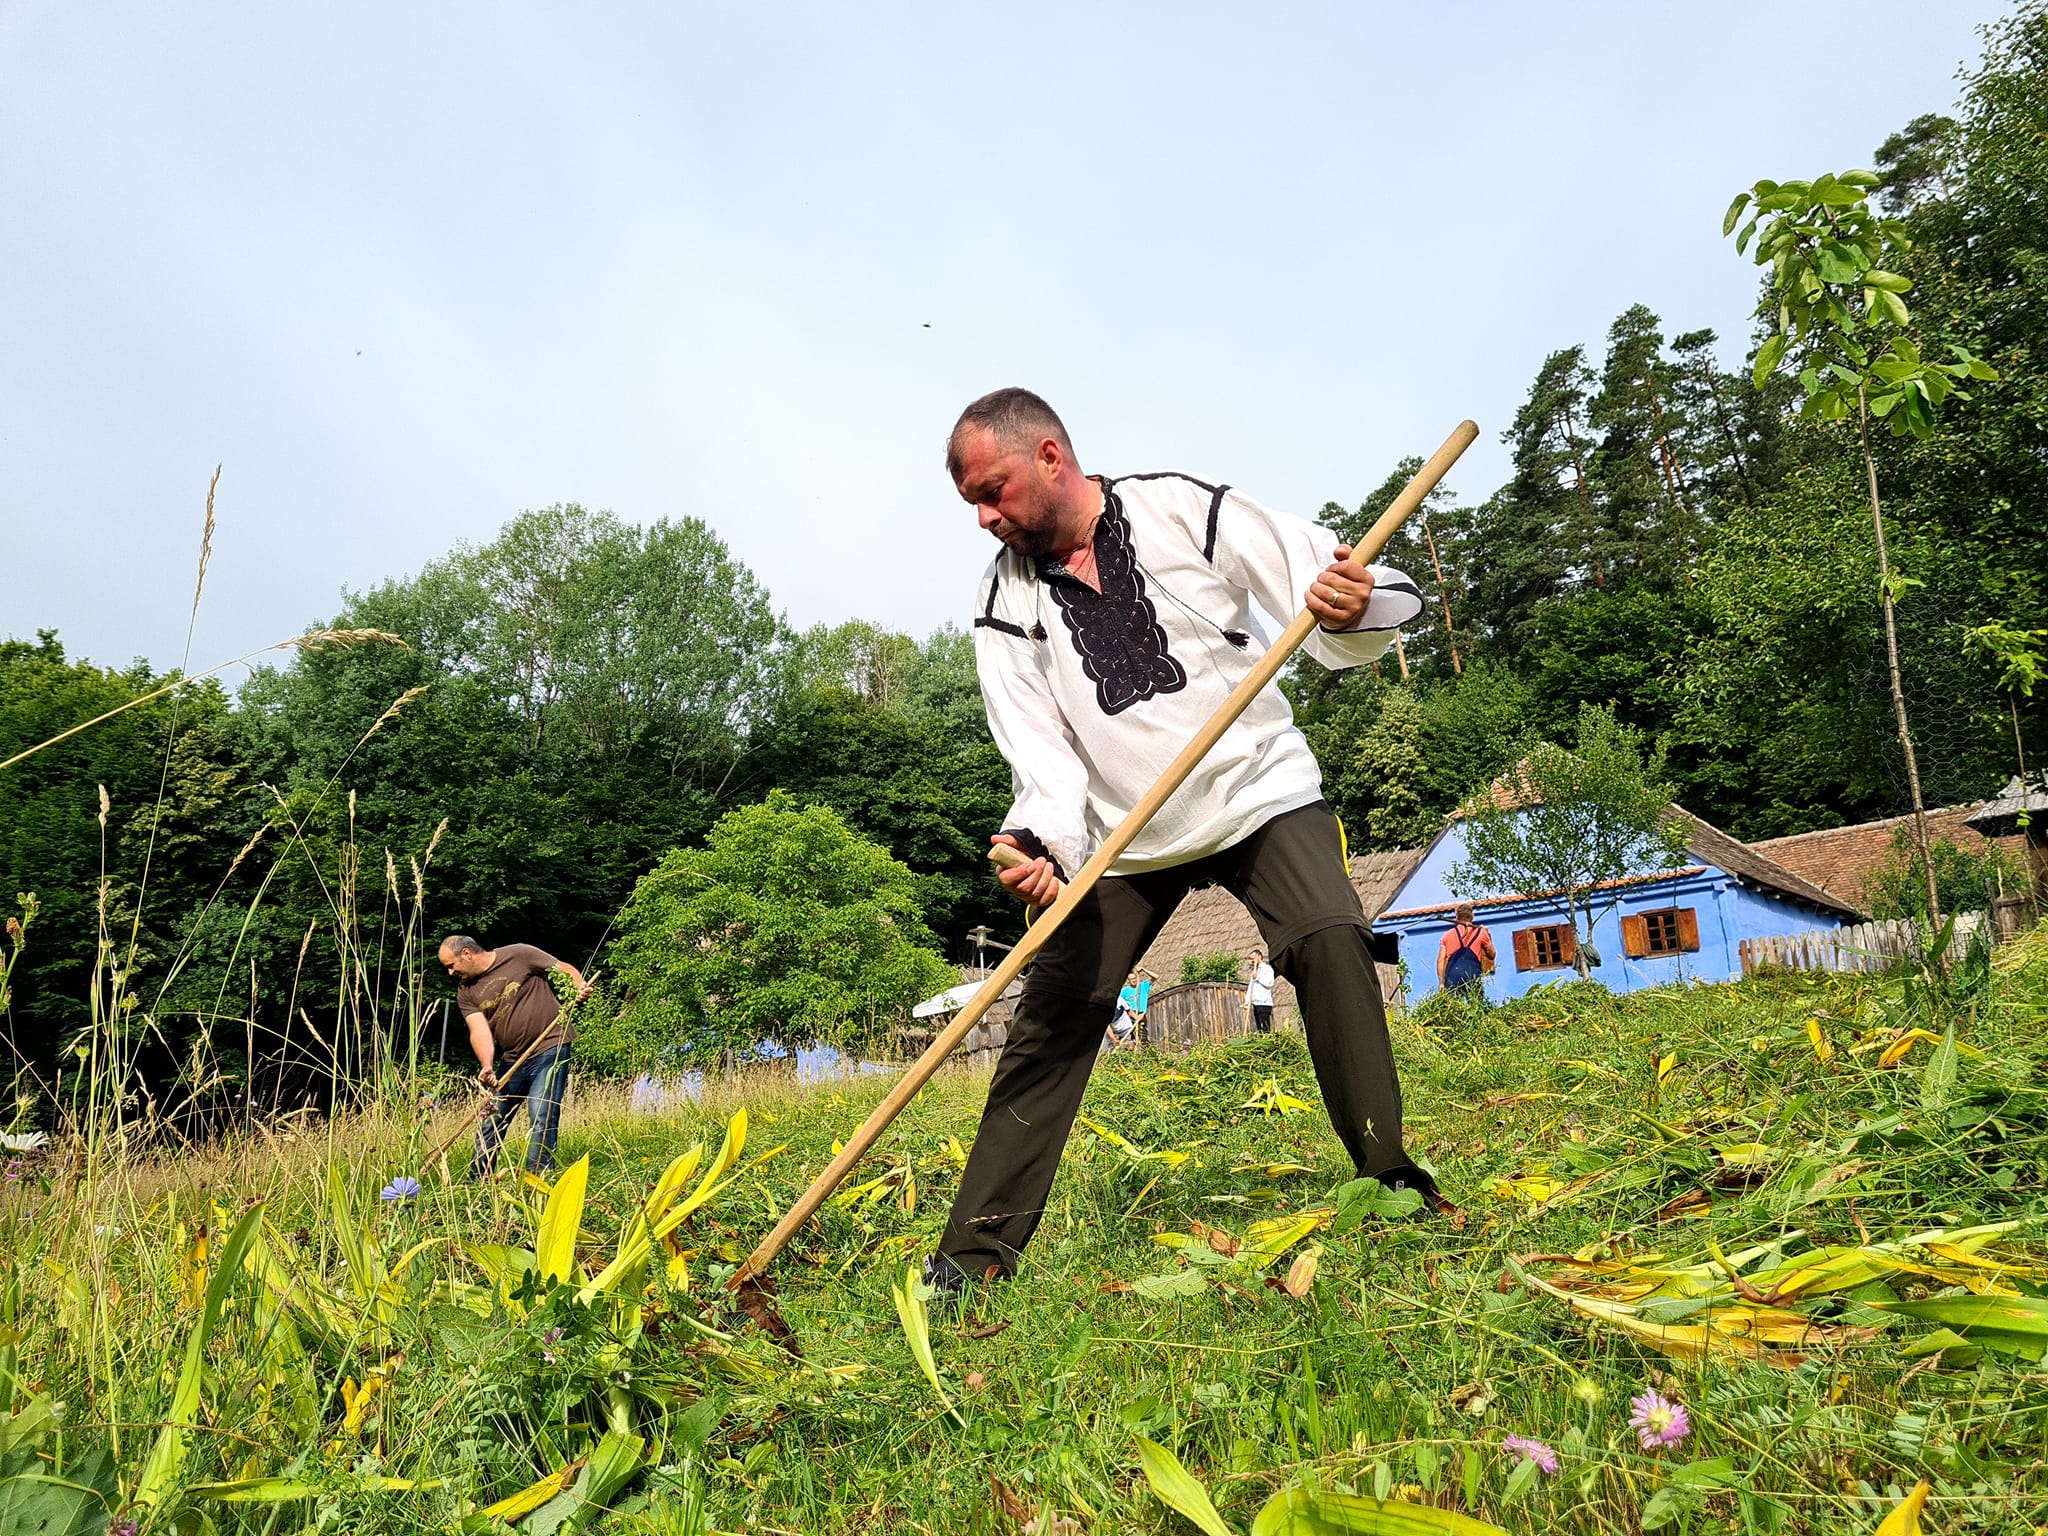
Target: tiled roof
x,y
1845,860
1750,864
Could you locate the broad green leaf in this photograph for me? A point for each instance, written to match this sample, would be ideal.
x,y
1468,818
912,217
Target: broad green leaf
x,y
1175,1282
55,1506
1768,356
1734,214
2017,1325
554,1244
610,1467
1891,282
1938,1077
1177,1488
1525,1473
1361,1198
168,1454
358,1245
1308,1512
910,1310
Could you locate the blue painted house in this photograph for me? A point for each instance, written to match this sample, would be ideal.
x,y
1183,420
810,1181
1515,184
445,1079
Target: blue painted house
x,y
1682,925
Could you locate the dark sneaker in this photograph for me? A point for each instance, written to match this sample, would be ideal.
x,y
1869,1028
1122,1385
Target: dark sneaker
x,y
1408,1176
949,1284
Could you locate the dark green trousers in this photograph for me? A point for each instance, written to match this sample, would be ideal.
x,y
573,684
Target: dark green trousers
x,y
1291,875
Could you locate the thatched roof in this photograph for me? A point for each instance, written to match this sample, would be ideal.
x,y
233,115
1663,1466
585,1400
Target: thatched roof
x,y
1211,919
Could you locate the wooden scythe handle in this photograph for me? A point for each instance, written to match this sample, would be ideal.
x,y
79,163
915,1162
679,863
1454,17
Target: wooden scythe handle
x,y
1263,671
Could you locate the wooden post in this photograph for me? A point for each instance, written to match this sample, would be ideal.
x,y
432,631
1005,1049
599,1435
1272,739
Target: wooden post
x,y
1263,671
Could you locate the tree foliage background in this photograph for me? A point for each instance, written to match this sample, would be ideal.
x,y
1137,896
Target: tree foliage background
x,y
585,695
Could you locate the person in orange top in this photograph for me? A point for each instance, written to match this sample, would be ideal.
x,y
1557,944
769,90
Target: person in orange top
x,y
1466,955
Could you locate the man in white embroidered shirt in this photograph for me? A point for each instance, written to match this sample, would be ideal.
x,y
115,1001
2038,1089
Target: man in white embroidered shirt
x,y
1116,619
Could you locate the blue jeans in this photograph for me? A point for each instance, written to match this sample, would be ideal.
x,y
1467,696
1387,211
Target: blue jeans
x,y
541,1080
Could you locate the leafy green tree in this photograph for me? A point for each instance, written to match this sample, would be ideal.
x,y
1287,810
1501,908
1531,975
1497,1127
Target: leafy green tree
x,y
2021,656
1647,517
786,926
1571,822
1218,965
1834,294
175,791
904,779
1964,879
1390,757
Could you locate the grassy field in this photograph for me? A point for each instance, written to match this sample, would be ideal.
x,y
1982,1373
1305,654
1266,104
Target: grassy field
x,y
250,1338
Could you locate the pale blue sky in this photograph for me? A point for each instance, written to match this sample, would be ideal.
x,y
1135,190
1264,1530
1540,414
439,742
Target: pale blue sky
x,y
405,270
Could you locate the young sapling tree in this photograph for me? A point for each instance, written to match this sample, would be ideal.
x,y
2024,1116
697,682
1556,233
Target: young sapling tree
x,y
1835,296
1569,824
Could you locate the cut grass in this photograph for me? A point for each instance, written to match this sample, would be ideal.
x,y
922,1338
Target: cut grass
x,y
1414,1351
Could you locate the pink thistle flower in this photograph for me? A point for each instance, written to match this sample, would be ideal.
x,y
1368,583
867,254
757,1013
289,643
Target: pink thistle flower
x,y
1657,1421
1532,1450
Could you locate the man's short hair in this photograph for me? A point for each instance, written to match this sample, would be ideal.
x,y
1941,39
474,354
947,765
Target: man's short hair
x,y
1017,418
1463,912
461,943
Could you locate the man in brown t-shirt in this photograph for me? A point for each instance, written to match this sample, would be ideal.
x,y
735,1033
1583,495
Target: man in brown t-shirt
x,y
514,1018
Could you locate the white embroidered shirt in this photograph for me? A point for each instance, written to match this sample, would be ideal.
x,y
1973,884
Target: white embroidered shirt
x,y
1090,695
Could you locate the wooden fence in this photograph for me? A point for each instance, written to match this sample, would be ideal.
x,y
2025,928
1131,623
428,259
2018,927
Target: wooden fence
x,y
1182,1017
1874,946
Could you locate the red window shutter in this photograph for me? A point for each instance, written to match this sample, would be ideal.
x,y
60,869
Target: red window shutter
x,y
1635,937
1568,939
1525,954
1688,928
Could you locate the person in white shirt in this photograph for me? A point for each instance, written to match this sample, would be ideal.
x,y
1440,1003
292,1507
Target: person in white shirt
x,y
1118,616
1258,992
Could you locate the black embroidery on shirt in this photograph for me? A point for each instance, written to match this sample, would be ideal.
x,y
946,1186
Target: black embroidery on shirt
x,y
988,619
1216,494
1406,587
1116,631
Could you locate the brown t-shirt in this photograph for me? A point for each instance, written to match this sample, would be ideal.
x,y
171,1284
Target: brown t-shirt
x,y
517,1001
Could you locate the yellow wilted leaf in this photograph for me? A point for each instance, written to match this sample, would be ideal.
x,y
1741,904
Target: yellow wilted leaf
x,y
1896,1051
1665,1067
1905,1520
1265,1241
1823,1049
554,1247
909,1294
528,1499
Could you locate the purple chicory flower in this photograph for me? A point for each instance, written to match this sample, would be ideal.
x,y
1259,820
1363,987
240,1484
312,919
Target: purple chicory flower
x,y
1657,1421
404,1187
1532,1450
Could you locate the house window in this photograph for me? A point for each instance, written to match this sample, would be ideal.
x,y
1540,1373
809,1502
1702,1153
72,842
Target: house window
x,y
1665,931
1548,948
